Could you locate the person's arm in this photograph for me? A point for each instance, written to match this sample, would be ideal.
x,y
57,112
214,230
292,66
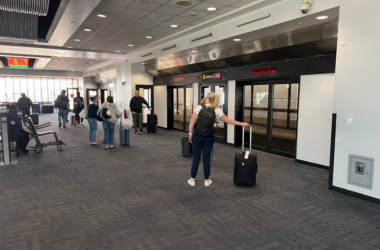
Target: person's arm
x,y
146,103
131,104
233,122
31,104
191,126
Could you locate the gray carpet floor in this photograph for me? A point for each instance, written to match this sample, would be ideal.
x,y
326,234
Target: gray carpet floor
x,y
137,197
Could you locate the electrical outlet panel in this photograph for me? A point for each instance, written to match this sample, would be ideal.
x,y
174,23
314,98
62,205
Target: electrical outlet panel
x,y
360,171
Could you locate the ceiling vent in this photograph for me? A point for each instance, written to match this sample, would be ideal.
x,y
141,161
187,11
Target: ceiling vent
x,y
146,55
184,3
254,20
170,47
201,37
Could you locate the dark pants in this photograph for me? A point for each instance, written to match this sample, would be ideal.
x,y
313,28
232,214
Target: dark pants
x,y
206,144
77,111
21,137
138,120
25,111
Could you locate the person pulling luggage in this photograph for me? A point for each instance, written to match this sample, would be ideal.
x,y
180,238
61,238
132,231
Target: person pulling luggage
x,y
24,104
203,123
136,107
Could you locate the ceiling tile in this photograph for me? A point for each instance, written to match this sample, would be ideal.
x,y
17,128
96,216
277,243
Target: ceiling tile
x,y
242,3
159,16
120,23
170,10
166,24
224,10
141,26
173,3
187,14
159,1
196,22
108,8
127,18
152,32
178,19
209,17
203,6
122,3
184,27
148,7
162,29
135,12
224,2
149,21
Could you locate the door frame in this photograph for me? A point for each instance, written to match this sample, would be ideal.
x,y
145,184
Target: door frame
x,y
225,108
270,111
87,95
185,87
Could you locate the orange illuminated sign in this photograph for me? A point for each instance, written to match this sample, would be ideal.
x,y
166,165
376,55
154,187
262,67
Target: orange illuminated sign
x,y
18,62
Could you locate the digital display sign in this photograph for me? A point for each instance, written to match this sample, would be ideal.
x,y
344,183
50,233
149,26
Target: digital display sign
x,y
179,79
211,76
264,71
21,63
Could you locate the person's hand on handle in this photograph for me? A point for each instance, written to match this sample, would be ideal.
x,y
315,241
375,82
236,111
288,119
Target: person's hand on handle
x,y
244,124
150,108
191,138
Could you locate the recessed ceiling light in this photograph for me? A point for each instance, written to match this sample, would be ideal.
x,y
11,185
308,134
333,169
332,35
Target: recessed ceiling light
x,y
211,9
87,30
322,17
149,37
55,60
237,40
142,63
300,23
77,40
194,51
174,26
131,45
193,14
101,15
69,47
183,3
90,62
117,51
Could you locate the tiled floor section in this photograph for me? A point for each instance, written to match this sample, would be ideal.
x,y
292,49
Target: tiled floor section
x,y
137,198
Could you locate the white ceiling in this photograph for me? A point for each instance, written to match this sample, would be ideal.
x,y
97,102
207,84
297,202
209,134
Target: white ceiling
x,y
73,64
130,21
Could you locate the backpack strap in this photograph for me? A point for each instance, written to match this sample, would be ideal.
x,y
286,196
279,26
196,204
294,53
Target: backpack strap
x,y
203,105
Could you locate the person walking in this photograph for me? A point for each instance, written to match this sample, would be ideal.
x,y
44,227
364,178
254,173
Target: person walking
x,y
16,131
136,108
203,123
78,107
92,111
109,125
62,103
24,104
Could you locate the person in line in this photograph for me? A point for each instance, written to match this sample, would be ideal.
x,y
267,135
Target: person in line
x,y
136,108
78,107
92,121
204,118
109,125
24,104
16,131
62,103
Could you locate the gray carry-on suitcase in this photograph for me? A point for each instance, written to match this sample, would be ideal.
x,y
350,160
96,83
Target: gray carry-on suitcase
x,y
124,134
245,172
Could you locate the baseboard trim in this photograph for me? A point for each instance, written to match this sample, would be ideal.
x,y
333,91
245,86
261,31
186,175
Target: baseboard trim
x,y
356,195
312,164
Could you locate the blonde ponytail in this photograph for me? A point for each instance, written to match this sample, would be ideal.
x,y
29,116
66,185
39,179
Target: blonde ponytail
x,y
214,99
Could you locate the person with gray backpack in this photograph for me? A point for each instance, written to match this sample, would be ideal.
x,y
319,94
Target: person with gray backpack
x,y
62,103
203,122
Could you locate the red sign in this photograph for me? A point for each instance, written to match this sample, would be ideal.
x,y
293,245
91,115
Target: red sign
x,y
72,95
179,79
264,71
72,79
211,76
18,61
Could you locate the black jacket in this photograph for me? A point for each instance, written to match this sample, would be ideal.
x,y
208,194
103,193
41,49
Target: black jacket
x,y
136,104
24,103
14,122
92,111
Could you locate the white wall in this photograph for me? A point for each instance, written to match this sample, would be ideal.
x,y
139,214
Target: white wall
x,y
357,88
314,118
231,111
161,105
139,77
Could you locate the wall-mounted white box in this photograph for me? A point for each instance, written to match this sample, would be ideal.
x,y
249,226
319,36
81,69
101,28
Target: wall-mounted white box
x,y
360,171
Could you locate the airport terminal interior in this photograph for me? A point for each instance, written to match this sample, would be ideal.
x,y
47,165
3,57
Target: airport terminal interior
x,y
99,100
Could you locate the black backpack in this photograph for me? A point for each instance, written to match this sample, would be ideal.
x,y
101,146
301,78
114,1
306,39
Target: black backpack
x,y
205,123
61,101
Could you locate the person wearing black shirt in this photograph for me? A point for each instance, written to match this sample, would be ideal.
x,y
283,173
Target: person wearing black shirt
x,y
24,104
62,103
16,131
136,107
78,107
92,121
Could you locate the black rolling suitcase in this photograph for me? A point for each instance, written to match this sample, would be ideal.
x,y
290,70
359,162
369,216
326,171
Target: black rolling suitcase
x,y
34,118
151,123
187,147
245,171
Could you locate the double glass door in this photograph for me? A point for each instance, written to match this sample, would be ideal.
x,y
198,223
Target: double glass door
x,y
182,107
272,109
221,90
146,92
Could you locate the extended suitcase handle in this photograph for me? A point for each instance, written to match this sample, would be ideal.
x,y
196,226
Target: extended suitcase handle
x,y
250,139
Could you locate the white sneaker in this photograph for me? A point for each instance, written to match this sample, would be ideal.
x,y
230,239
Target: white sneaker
x,y
208,183
191,183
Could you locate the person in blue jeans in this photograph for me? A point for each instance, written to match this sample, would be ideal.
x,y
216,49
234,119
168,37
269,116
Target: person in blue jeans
x,y
204,118
62,103
109,125
92,121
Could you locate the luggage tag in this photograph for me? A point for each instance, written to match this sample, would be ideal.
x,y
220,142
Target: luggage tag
x,y
246,154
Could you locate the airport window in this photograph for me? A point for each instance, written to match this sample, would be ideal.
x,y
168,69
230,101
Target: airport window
x,y
36,88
